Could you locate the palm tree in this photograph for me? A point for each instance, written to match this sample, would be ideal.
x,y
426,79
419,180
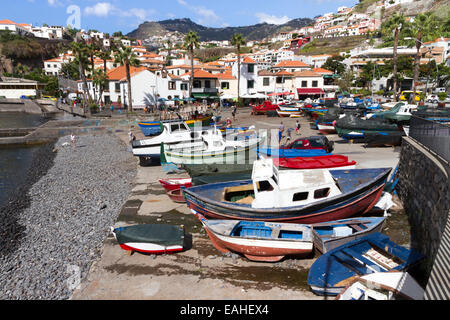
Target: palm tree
x,y
394,24
126,57
191,41
424,28
105,55
80,52
237,40
99,80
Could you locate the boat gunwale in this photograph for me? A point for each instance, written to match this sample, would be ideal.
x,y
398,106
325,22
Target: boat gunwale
x,y
295,209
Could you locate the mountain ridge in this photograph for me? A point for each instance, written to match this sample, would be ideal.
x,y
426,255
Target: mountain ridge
x,y
184,25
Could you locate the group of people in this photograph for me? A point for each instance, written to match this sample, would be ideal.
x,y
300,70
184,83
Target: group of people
x,y
281,130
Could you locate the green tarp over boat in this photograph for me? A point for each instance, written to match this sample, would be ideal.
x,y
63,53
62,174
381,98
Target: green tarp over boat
x,y
161,234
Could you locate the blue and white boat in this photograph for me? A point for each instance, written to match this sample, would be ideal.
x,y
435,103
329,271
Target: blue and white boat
x,y
292,153
330,235
332,272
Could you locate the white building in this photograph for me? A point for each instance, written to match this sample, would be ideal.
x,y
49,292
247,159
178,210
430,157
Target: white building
x,y
17,28
14,88
48,32
249,75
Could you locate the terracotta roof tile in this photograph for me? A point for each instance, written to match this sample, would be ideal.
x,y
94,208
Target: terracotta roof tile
x,y
291,64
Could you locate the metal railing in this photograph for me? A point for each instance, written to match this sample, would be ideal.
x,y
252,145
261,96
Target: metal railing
x,y
432,135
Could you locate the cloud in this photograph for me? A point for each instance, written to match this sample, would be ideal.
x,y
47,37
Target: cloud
x,y
207,16
101,9
264,17
105,9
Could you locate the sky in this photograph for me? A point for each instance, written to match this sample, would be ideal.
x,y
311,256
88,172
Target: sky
x,y
126,15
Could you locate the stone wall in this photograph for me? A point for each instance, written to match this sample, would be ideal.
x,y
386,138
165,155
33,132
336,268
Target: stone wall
x,y
424,189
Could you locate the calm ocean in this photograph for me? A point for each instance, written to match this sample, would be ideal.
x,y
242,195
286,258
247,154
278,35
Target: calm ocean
x,y
15,162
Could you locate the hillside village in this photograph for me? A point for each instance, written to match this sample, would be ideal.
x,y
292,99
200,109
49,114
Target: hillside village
x,y
280,63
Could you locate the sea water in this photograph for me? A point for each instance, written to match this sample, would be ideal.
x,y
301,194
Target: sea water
x,y
16,161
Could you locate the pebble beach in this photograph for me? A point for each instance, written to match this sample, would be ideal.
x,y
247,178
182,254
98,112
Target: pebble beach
x,y
54,226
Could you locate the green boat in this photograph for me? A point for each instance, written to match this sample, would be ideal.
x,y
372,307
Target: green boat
x,y
150,238
400,113
352,127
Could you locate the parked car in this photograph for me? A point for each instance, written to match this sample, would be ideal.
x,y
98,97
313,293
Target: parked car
x,y
313,142
432,98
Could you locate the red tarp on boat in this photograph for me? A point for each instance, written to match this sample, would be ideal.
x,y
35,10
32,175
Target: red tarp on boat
x,y
321,162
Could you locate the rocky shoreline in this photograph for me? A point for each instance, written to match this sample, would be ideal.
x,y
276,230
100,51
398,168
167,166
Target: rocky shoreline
x,y
54,229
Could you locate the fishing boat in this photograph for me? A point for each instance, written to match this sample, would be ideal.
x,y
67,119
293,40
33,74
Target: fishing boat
x,y
292,153
400,114
264,107
176,133
330,235
213,149
195,170
151,128
284,107
292,196
175,183
259,240
150,238
334,161
288,113
333,271
383,286
176,195
326,127
352,127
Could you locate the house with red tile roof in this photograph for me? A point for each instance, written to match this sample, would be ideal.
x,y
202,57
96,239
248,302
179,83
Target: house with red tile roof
x,y
14,27
291,66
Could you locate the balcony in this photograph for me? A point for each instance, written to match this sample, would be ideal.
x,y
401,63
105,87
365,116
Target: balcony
x,y
205,90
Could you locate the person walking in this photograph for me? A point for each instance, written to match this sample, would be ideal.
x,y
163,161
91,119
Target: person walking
x,y
280,132
234,113
297,127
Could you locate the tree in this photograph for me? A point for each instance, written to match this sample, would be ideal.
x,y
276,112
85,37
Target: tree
x,y
237,41
100,81
424,28
346,81
394,25
191,41
81,56
105,55
126,57
334,64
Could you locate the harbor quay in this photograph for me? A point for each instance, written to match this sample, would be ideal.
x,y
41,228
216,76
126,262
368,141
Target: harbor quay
x,y
201,272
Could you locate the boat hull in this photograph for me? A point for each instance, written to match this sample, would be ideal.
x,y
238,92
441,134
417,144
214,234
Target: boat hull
x,y
359,201
334,270
326,128
150,239
325,244
258,241
176,196
175,183
259,250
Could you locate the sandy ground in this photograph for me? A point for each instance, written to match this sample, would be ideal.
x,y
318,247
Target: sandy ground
x,y
201,272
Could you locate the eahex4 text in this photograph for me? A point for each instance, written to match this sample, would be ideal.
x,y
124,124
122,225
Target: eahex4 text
x,y
244,309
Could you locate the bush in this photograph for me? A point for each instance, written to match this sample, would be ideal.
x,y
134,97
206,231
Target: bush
x,y
442,96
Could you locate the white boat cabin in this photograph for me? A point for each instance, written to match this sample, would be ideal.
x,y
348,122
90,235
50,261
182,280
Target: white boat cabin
x,y
287,188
